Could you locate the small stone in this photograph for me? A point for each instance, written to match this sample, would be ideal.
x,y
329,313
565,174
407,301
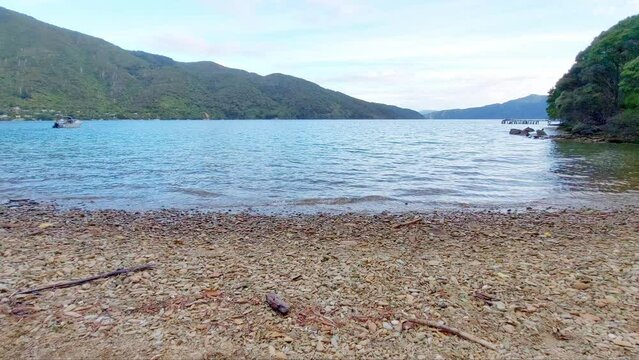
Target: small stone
x,y
45,225
387,325
276,354
623,343
320,346
590,317
509,328
371,326
611,300
335,341
581,285
500,306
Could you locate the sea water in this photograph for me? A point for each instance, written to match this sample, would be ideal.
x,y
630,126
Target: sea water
x,y
309,165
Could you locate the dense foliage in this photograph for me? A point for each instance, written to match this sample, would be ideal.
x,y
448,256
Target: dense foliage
x,y
529,107
46,70
600,93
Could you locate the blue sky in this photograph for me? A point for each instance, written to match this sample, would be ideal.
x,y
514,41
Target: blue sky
x,y
429,54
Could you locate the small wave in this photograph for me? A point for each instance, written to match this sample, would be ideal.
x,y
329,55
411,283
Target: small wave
x,y
197,192
429,192
341,200
82,198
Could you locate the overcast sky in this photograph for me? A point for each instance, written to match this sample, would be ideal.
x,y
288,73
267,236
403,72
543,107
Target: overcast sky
x,y
429,54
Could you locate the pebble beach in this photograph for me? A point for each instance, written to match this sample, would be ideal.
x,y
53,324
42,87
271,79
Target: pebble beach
x,y
535,284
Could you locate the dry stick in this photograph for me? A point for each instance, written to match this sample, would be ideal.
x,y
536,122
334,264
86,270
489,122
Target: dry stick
x,y
72,283
415,221
487,299
461,334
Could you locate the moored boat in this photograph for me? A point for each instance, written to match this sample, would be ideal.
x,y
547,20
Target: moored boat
x,y
553,127
67,122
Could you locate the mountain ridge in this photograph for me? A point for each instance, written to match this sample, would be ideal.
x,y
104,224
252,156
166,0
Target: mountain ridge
x,y
529,107
47,70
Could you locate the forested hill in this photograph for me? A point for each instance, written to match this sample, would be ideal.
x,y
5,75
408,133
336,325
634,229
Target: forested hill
x,y
46,70
600,93
529,107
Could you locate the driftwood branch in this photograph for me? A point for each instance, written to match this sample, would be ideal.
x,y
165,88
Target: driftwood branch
x,y
461,334
72,283
488,299
276,303
407,223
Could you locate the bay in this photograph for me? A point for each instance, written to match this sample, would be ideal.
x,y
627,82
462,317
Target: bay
x,y
309,166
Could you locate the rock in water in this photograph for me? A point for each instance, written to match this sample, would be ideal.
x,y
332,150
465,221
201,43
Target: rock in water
x,y
515,132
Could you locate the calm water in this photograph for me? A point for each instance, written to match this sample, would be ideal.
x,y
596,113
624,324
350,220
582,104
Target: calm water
x,y
308,166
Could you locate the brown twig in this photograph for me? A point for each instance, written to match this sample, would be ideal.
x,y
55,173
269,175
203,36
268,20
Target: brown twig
x,y
72,283
461,334
488,299
407,223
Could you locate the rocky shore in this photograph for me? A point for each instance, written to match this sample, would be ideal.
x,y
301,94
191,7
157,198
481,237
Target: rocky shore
x,y
537,285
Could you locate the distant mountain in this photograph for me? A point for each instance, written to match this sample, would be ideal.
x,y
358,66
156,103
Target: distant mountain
x,y
529,107
46,70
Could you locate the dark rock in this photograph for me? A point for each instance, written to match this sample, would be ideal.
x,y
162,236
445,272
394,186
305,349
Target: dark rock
x,y
515,132
276,303
541,133
529,130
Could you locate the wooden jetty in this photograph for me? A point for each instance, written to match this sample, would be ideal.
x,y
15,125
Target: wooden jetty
x,y
521,121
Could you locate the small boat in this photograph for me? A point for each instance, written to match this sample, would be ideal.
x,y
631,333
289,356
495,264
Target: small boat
x,y
67,122
552,128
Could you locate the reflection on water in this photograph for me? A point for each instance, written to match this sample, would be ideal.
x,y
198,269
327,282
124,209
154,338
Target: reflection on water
x,y
308,165
596,167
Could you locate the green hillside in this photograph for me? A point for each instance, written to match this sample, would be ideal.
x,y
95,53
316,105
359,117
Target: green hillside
x,y
45,70
600,93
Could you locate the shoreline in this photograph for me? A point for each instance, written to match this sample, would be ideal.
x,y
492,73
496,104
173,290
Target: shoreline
x,y
595,139
537,283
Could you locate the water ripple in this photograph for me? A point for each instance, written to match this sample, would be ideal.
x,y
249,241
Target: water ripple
x,y
381,165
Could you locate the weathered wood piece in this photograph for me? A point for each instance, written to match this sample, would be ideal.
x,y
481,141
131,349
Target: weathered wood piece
x,y
488,299
72,283
453,331
276,303
407,223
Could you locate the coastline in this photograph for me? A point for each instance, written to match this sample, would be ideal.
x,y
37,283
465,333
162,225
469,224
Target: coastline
x,y
600,139
558,284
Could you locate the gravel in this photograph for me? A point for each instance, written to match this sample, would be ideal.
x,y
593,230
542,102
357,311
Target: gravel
x,y
560,285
